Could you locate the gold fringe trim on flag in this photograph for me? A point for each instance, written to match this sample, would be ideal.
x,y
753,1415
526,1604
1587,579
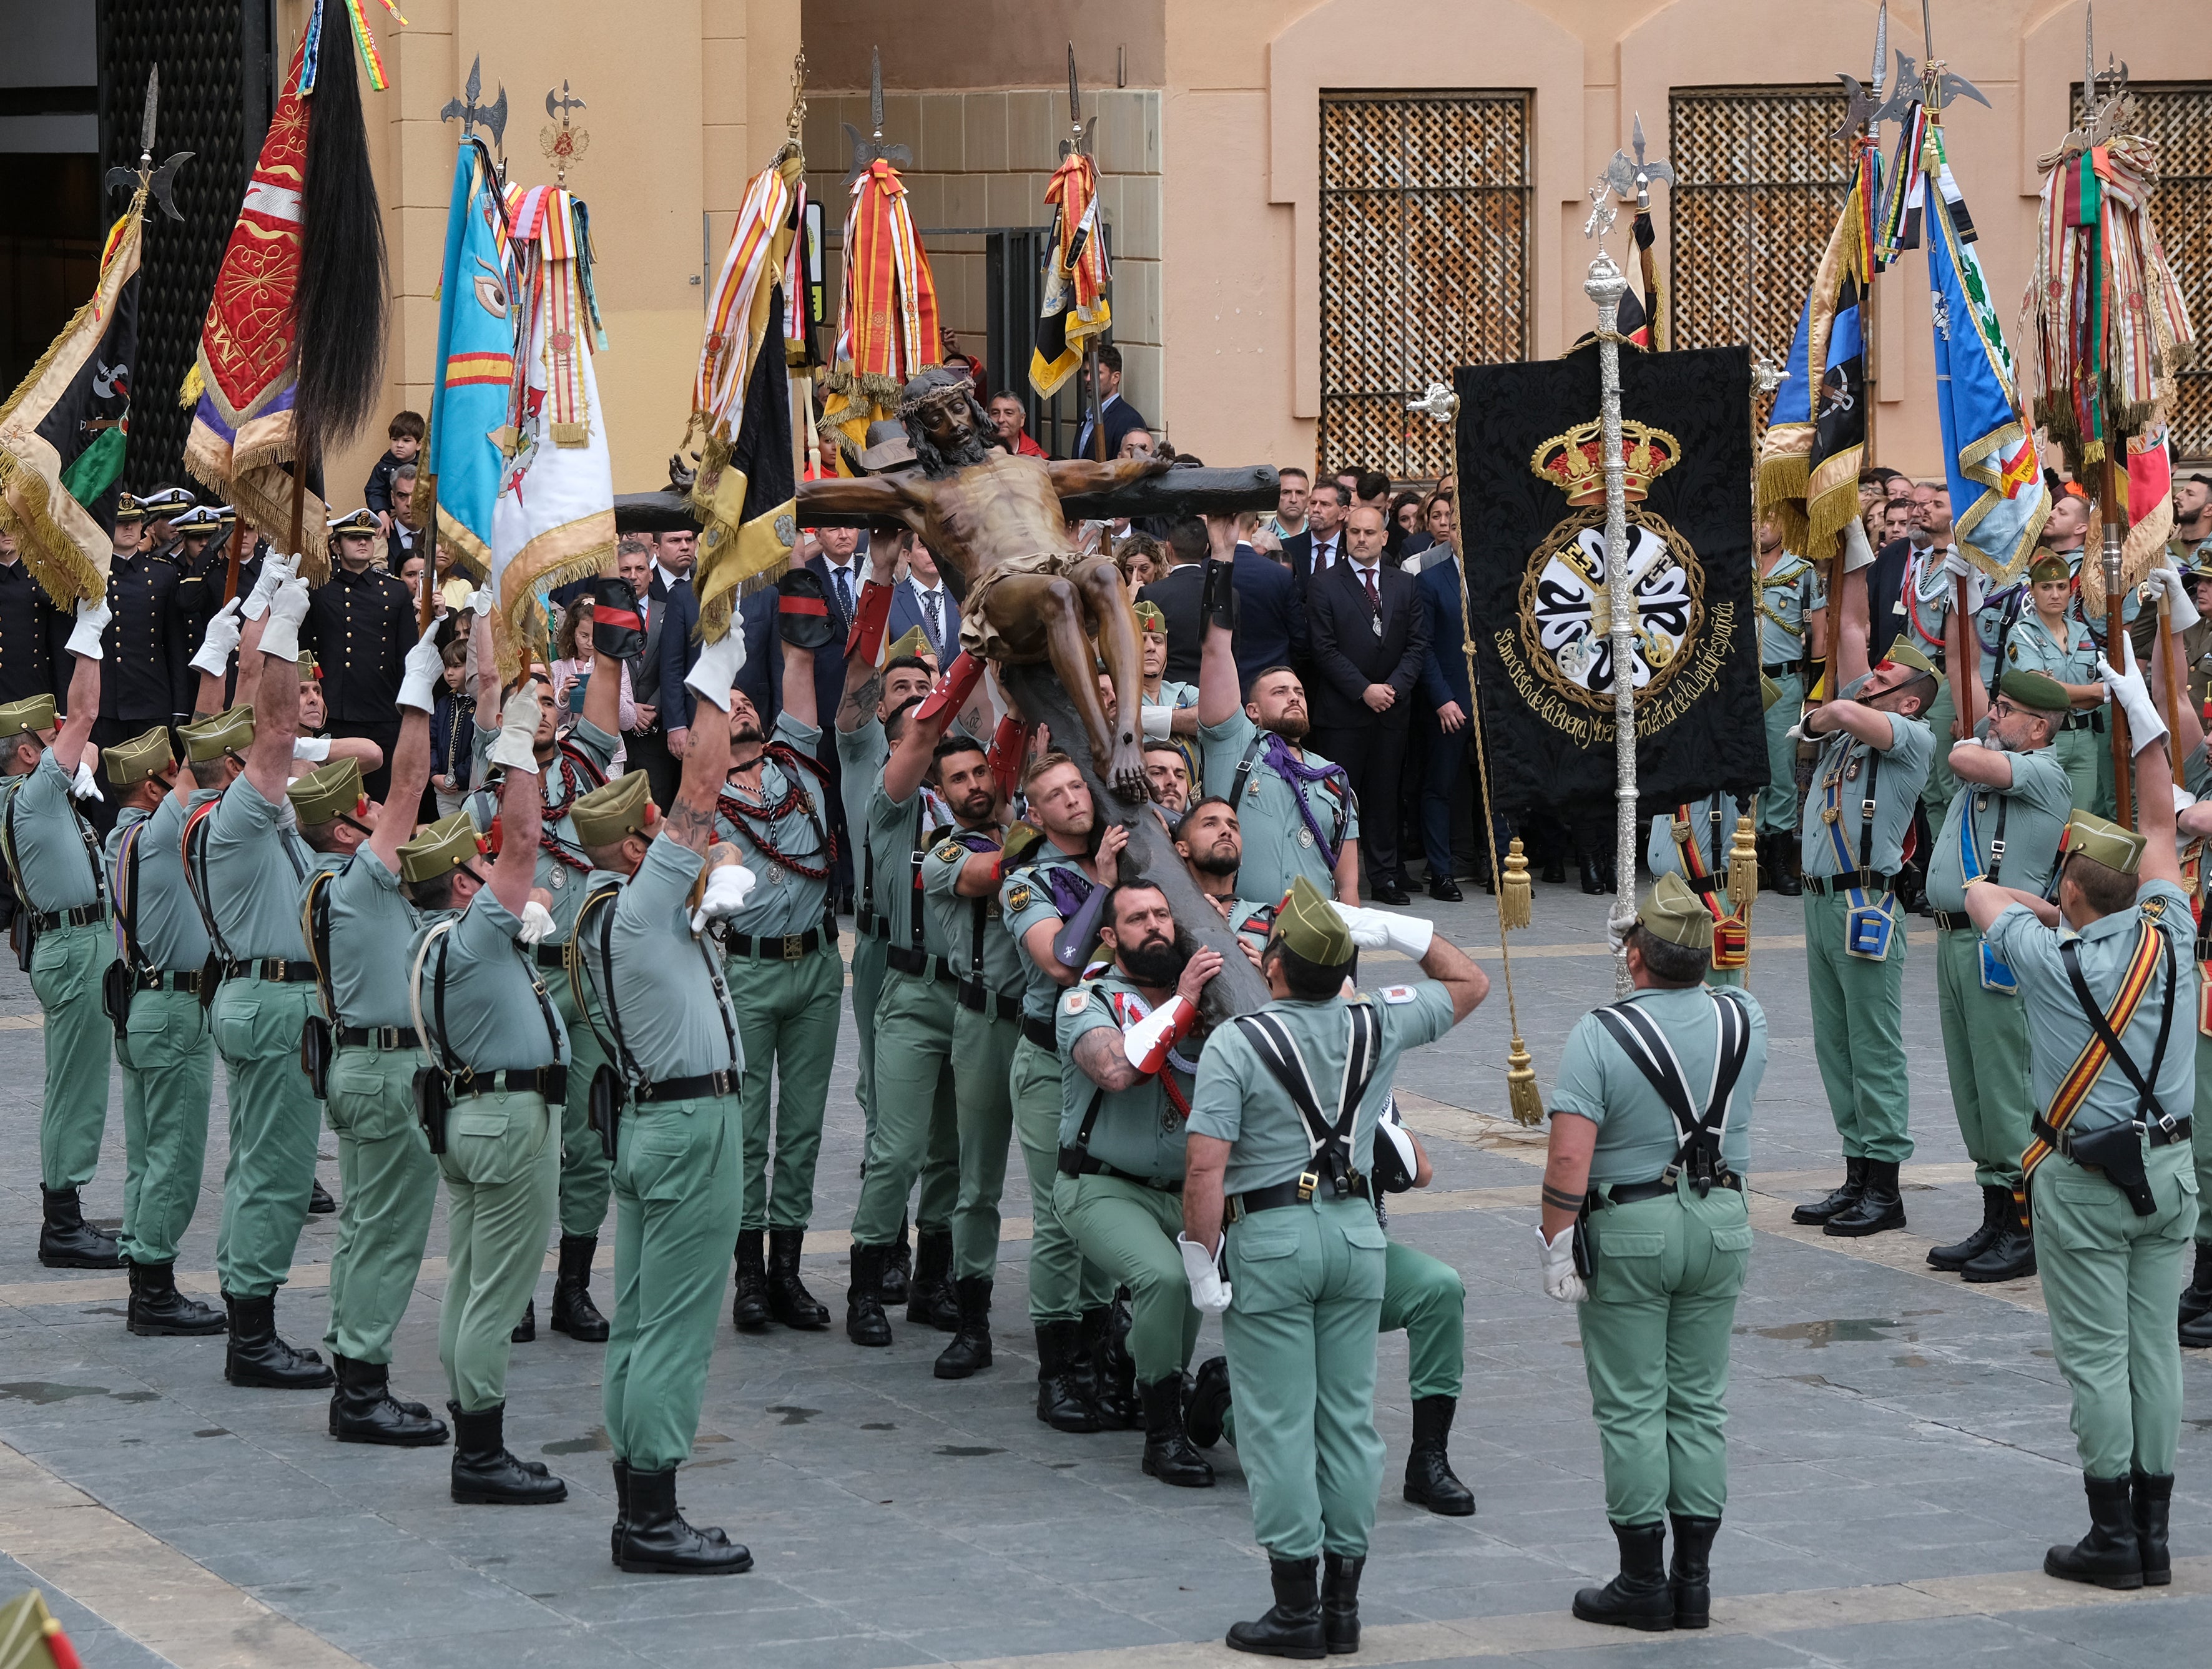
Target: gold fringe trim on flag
x,y
1784,470
574,550
50,555
737,558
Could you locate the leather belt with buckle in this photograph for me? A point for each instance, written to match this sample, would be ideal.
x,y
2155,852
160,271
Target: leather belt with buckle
x,y
551,1082
1301,1191
685,1089
774,947
386,1038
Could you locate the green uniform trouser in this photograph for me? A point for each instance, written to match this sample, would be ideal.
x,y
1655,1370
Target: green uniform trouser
x,y
2077,750
2112,1281
587,1176
1858,1033
1063,1283
1936,793
1655,1348
1127,1231
387,1184
916,1121
983,1055
1308,1283
502,1169
274,1121
678,1199
1778,806
2200,1139
868,970
1985,1048
168,1078
788,1018
66,965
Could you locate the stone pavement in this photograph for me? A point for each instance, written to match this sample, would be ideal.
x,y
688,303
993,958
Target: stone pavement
x,y
1899,1449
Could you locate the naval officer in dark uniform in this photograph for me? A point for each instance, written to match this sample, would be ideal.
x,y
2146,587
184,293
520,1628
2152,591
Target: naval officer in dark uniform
x,y
360,624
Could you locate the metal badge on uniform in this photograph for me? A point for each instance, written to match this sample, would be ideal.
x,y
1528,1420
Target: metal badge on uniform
x,y
1017,899
1253,793
1305,836
559,880
775,875
1395,995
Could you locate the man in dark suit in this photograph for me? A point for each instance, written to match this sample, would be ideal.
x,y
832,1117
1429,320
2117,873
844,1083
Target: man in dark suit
x,y
670,612
1317,549
922,600
1176,591
1271,615
1117,414
1448,712
1370,641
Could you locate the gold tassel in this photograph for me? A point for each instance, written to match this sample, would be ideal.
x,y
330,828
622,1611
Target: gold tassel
x,y
1743,868
1516,893
1521,1095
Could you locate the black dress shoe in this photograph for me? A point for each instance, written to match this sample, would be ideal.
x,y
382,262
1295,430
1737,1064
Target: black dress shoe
x,y
574,1312
364,1411
1393,894
66,1240
319,1203
1430,1480
1290,1627
158,1310
749,1306
1445,890
655,1538
1641,1597
789,1300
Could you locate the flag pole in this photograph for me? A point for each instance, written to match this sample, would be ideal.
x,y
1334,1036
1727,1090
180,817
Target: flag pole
x,y
430,558
230,567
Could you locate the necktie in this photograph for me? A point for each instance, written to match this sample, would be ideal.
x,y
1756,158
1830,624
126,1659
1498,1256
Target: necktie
x,y
936,622
844,593
1374,599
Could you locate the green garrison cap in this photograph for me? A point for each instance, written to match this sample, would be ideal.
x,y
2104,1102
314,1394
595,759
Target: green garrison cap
x,y
327,792
1150,617
2103,842
210,738
141,757
1021,839
1902,653
1672,912
1308,924
31,713
2039,693
442,848
606,814
2051,566
912,644
308,671
1769,692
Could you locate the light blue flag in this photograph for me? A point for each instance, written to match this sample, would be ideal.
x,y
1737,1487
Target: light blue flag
x,y
469,405
1998,503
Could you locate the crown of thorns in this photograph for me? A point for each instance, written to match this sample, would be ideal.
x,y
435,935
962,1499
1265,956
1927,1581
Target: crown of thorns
x,y
934,387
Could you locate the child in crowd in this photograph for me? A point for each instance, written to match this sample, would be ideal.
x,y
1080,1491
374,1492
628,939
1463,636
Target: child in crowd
x,y
406,437
453,732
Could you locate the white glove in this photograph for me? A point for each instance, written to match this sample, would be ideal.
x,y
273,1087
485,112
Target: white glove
x,y
517,744
1857,553
536,922
1159,722
1377,929
2127,688
274,571
717,668
93,615
2180,604
287,610
728,886
1208,1291
1955,564
2182,799
87,786
481,602
314,749
1558,1257
214,658
423,670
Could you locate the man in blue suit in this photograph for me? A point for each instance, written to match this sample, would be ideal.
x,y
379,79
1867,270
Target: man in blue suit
x,y
1448,705
672,615
922,599
1117,414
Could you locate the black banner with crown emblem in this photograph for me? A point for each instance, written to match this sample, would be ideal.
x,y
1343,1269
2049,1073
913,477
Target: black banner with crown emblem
x,y
1529,458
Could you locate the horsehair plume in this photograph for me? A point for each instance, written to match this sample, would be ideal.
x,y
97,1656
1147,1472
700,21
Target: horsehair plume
x,y
339,306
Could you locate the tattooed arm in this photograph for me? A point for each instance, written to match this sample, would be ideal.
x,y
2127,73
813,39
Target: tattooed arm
x,y
1566,1170
706,766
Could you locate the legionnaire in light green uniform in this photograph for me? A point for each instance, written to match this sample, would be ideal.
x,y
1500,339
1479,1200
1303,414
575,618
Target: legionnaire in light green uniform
x,y
1649,1143
1926,595
785,979
656,991
1302,1279
164,1045
1702,833
2047,639
1053,897
1171,708
1297,810
500,1054
1127,1093
2108,1177
1792,605
55,866
1874,754
2010,811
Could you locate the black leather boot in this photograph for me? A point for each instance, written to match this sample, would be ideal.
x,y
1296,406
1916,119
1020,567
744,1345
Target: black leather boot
x,y
1996,1206
2109,1556
2010,1256
656,1539
898,1266
1841,1200
2196,1299
929,1300
621,1511
1169,1456
1430,1480
789,1300
865,1320
158,1310
749,1307
525,1331
970,1349
66,1240
574,1312
364,1411
1880,1208
485,1475
2149,1497
1591,876
1112,1375
1691,1573
1339,1602
1209,1401
1060,1404
255,1356
1641,1597
1292,1626
1789,864
319,1203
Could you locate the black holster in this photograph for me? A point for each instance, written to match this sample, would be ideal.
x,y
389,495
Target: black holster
x,y
2117,1151
1583,1246
24,937
434,1099
117,981
211,978
315,1054
604,1108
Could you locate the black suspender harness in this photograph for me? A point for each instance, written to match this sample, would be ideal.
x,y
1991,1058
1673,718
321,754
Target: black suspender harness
x,y
1645,1042
119,983
1331,1138
435,1084
30,912
2118,1149
911,957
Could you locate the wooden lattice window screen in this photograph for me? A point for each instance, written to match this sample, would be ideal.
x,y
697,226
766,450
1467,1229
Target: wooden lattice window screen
x,y
1759,185
1425,263
2178,118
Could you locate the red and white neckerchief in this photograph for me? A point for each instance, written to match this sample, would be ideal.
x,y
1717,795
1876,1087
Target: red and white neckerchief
x,y
1128,1008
